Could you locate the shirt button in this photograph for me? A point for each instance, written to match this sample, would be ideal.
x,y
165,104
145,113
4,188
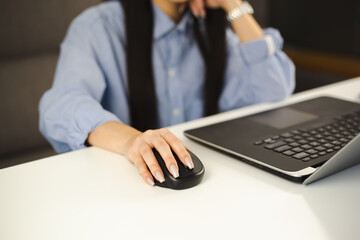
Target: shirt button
x,y
172,72
176,112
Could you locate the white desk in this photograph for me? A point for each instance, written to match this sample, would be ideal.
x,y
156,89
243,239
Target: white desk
x,y
95,194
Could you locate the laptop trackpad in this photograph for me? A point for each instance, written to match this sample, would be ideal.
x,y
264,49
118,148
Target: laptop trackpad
x,y
283,118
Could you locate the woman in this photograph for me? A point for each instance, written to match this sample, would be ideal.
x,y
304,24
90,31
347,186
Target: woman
x,y
133,65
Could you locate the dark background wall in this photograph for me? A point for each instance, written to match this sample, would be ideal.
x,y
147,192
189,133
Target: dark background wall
x,y
322,37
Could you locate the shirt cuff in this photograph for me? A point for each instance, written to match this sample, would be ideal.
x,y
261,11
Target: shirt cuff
x,y
81,128
260,49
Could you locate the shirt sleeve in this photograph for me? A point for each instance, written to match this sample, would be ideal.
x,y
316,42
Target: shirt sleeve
x,y
257,71
71,109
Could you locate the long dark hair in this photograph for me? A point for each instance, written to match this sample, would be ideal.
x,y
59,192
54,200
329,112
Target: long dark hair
x,y
139,29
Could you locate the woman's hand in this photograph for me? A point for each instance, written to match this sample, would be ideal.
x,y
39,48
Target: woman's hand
x,y
141,154
137,147
198,6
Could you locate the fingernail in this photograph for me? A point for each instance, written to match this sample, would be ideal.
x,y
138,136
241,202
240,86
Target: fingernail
x,y
150,181
189,163
174,171
159,176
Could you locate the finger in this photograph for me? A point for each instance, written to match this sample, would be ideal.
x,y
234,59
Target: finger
x,y
201,7
143,170
178,147
182,7
154,139
188,148
151,162
165,151
194,8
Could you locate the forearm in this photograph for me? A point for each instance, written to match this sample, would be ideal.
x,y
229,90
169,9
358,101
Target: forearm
x,y
245,27
113,136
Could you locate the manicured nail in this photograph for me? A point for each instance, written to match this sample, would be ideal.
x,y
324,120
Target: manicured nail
x,y
150,181
189,163
174,171
159,176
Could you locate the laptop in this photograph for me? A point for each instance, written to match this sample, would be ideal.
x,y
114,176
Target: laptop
x,y
302,142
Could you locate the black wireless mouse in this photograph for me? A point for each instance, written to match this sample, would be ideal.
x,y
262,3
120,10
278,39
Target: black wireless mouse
x,y
187,177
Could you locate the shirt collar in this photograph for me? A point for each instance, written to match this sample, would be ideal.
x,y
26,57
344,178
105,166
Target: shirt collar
x,y
163,24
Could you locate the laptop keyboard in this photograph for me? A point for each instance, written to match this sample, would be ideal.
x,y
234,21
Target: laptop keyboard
x,y
306,144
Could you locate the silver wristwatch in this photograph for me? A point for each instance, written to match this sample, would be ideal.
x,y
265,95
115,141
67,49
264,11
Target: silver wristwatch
x,y
245,8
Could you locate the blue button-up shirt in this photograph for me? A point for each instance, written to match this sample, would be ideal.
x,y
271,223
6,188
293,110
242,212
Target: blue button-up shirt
x,y
90,86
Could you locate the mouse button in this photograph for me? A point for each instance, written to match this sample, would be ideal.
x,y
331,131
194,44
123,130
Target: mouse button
x,y
183,170
198,166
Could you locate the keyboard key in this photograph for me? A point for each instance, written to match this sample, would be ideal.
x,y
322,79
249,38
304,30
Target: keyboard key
x,y
296,132
330,150
303,141
322,153
311,139
314,144
314,156
289,140
289,153
306,159
297,149
328,145
305,134
330,138
294,144
306,146
320,148
313,132
311,151
319,136
282,148
300,155
297,137
274,145
269,140
286,135
257,143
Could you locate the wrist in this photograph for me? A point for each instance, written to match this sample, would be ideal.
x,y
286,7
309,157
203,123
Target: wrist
x,y
229,5
113,136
